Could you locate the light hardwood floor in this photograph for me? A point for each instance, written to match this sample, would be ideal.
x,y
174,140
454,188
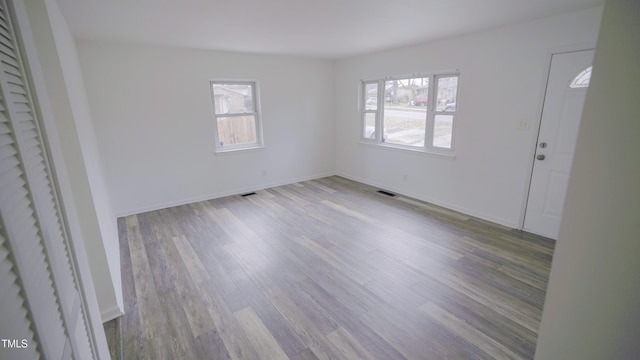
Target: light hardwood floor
x,y
326,269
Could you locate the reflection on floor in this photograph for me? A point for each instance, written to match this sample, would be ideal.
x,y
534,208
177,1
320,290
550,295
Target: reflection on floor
x,y
326,269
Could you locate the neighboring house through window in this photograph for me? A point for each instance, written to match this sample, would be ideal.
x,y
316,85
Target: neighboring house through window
x,y
412,112
236,111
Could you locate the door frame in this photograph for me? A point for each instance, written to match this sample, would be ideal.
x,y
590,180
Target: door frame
x,y
535,125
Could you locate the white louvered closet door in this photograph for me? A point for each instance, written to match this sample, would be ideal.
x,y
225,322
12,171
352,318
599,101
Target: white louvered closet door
x,y
41,305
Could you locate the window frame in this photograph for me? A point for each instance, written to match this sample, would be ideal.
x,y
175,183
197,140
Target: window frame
x,y
257,116
364,111
430,115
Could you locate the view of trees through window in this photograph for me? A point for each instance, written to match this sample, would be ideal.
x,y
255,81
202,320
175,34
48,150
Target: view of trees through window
x,y
405,111
443,120
410,112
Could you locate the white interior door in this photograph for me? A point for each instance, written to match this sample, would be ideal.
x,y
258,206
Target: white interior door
x,y
561,113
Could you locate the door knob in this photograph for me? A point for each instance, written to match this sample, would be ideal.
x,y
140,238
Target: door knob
x,y
540,157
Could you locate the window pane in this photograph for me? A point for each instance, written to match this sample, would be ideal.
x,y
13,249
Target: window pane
x,y
405,111
233,98
369,126
236,130
442,131
406,92
371,96
582,79
447,93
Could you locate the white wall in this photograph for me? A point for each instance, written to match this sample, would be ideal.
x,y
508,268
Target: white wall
x,y
592,309
151,107
63,80
501,82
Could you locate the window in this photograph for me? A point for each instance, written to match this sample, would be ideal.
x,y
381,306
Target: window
x,y
236,111
415,112
582,79
370,109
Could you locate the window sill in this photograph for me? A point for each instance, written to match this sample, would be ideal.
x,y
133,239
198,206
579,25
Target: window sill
x,y
230,151
448,155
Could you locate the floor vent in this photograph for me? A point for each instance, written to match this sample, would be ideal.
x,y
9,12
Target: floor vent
x,y
386,193
248,194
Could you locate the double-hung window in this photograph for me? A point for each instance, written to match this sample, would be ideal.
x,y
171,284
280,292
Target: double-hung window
x,y
236,111
370,109
413,112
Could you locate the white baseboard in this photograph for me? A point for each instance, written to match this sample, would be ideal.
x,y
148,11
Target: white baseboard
x,y
217,195
494,219
111,313
470,212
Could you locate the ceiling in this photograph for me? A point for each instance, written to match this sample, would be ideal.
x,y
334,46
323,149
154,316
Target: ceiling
x,y
318,28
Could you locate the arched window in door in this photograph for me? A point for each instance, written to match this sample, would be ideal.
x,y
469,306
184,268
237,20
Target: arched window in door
x,y
582,79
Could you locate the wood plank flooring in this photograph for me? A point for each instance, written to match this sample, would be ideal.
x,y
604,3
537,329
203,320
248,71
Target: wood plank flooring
x,y
326,269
